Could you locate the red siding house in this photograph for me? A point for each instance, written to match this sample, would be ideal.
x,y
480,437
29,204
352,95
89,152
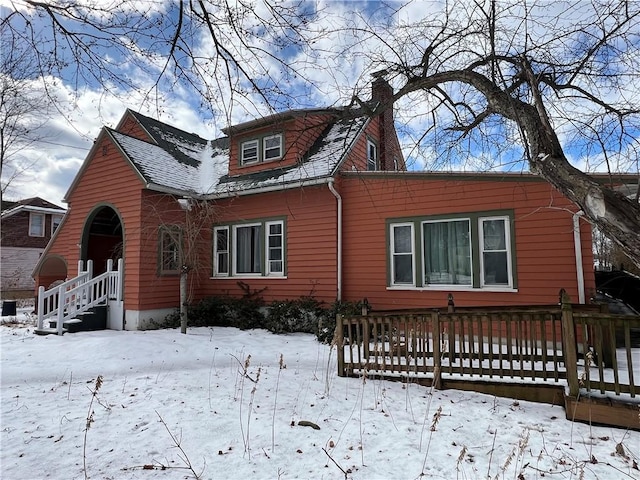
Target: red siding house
x,y
311,203
26,226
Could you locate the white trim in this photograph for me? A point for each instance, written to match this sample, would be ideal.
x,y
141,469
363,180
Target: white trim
x,y
243,160
577,245
216,269
32,215
452,288
30,208
264,147
507,246
267,261
339,246
376,161
251,277
392,254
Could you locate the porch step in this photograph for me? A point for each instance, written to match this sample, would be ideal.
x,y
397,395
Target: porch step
x,y
93,319
48,331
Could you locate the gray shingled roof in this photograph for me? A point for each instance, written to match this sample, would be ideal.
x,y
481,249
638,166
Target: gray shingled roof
x,y
184,163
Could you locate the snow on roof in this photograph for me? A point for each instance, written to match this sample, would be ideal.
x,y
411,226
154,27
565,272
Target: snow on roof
x,y
321,162
185,163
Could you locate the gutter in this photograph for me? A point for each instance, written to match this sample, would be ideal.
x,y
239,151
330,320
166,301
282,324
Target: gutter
x,y
339,227
577,244
30,208
275,187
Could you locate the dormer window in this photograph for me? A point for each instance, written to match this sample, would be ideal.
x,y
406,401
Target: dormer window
x,y
262,149
272,147
372,156
249,152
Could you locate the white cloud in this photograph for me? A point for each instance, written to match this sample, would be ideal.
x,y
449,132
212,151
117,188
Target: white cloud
x,y
344,55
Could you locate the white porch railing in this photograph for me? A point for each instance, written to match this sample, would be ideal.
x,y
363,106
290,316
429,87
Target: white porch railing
x,y
79,294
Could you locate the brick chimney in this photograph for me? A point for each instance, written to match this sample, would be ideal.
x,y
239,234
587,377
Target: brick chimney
x,y
382,92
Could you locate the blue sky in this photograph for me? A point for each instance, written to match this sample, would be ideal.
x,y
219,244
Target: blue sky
x,y
336,66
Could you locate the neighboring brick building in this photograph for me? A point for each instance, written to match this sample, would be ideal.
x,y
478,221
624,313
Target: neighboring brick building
x,y
26,228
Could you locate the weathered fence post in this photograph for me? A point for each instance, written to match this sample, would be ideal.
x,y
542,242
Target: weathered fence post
x,y
366,336
437,341
338,339
569,346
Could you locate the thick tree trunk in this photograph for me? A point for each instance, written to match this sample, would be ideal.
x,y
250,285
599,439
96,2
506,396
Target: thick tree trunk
x,y
617,216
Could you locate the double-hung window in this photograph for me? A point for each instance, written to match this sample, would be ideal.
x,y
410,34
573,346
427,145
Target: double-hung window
x,y
221,249
249,152
36,225
495,254
464,251
402,254
169,255
249,249
272,147
262,149
275,248
372,156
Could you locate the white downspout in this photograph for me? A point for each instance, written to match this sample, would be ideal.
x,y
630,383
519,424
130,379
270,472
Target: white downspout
x,y
339,226
577,244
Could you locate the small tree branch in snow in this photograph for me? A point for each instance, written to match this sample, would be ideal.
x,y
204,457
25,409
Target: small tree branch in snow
x,y
335,463
89,421
275,403
182,455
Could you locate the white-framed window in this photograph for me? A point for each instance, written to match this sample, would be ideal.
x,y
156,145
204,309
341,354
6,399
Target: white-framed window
x,y
36,224
55,222
402,246
495,254
221,251
264,149
447,252
249,249
169,256
249,152
372,156
275,248
471,251
272,147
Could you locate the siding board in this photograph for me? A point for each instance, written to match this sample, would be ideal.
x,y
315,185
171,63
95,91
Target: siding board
x,y
543,236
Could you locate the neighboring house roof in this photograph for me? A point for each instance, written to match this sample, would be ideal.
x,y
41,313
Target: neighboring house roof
x,y
184,163
34,204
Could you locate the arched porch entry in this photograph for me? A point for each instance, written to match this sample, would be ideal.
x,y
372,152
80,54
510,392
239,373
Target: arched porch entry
x,y
53,269
102,238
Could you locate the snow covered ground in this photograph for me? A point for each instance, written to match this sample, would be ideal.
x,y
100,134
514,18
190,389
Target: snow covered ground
x,y
172,406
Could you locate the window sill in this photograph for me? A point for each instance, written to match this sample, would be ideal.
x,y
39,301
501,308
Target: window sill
x,y
259,162
452,288
248,277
